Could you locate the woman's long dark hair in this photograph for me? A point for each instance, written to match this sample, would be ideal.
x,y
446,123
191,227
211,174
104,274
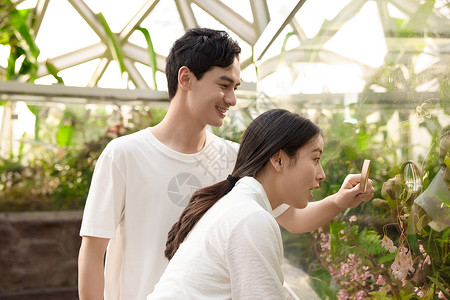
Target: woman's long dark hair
x,y
270,132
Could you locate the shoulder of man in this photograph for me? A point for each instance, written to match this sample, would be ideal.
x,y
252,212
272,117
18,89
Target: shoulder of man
x,y
229,144
123,144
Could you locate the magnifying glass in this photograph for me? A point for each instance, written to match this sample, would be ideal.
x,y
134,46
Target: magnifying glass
x,y
365,175
412,176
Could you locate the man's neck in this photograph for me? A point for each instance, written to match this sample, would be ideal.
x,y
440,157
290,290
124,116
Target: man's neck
x,y
180,134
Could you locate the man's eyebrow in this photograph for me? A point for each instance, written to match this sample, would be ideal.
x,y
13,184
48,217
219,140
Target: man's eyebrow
x,y
229,79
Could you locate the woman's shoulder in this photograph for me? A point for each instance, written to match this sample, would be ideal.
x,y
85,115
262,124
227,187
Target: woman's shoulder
x,y
239,208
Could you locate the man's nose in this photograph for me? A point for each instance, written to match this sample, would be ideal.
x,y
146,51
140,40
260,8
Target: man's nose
x,y
230,98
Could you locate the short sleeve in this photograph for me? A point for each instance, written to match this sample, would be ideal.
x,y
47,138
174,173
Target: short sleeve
x,y
105,201
254,254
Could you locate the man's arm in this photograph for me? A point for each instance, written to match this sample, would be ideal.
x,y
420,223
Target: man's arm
x,y
319,213
91,279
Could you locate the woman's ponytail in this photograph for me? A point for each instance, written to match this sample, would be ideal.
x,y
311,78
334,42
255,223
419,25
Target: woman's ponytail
x,y
200,202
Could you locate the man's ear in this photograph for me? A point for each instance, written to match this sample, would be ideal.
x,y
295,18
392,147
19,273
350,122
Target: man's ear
x,y
184,78
278,160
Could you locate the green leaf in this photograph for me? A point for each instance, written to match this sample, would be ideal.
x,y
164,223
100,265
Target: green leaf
x,y
113,44
370,241
64,137
380,295
413,243
440,286
363,141
405,294
444,95
11,67
16,34
335,228
37,123
320,282
21,146
151,53
350,152
386,258
417,22
52,70
35,109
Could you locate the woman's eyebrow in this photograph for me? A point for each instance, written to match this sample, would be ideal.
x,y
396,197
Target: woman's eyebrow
x,y
317,150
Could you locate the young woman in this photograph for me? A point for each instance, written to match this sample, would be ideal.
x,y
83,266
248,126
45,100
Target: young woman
x,y
227,243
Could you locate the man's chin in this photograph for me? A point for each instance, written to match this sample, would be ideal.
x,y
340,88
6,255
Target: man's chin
x,y
216,124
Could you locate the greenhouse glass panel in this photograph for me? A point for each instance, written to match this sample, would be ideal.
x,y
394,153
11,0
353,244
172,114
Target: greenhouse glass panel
x,y
374,76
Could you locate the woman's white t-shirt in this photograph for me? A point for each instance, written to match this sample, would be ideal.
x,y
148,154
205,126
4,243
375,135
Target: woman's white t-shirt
x,y
234,252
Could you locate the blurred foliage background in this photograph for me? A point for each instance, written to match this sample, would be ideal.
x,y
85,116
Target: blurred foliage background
x,y
387,123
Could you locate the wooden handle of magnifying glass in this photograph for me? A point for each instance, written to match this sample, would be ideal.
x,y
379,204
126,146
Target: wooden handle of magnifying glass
x,y
365,175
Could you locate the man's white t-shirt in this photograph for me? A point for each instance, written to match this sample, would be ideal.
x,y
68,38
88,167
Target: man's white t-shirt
x,y
235,251
138,191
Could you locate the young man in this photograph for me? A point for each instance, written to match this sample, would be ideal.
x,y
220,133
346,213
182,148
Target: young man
x,y
143,181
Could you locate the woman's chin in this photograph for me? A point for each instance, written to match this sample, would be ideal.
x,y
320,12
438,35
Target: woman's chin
x,y
301,205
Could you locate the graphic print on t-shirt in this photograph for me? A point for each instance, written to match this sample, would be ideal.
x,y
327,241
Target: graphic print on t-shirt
x,y
215,163
181,188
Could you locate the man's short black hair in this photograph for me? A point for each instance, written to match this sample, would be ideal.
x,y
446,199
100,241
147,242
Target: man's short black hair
x,y
199,49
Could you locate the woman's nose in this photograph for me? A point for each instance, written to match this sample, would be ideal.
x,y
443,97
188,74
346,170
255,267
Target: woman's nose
x,y
321,175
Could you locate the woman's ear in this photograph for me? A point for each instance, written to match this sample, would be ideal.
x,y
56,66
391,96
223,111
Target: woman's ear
x,y
184,78
278,160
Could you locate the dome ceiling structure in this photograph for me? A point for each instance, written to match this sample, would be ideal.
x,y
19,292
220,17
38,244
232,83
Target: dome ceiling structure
x,y
76,23
94,43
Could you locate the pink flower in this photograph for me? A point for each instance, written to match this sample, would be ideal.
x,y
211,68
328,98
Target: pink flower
x,y
361,295
380,280
342,295
422,250
402,264
388,244
441,295
352,218
325,242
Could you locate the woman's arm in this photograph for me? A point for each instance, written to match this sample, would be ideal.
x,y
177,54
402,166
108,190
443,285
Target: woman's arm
x,y
319,213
